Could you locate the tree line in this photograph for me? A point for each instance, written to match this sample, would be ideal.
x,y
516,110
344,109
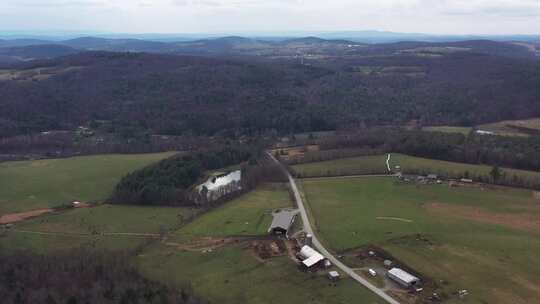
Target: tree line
x,y
512,152
80,277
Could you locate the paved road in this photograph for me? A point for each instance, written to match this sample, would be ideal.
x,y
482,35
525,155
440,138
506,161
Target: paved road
x,y
317,244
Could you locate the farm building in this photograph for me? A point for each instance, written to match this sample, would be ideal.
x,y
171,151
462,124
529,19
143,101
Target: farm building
x,y
282,222
310,256
333,276
218,186
482,132
403,278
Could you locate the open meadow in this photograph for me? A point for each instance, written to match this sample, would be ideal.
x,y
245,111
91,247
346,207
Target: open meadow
x,y
29,185
376,164
231,272
212,252
108,227
249,214
485,241
360,165
449,129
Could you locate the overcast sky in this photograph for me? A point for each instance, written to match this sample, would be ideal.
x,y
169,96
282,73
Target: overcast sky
x,y
221,16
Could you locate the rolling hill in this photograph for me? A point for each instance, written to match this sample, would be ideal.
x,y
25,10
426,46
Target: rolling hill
x,y
171,94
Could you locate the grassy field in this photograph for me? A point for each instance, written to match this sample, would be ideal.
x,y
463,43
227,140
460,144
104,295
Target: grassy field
x,y
28,185
449,129
483,241
249,214
87,226
377,164
232,275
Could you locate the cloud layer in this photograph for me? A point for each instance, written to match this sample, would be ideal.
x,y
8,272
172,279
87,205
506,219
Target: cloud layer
x,y
176,16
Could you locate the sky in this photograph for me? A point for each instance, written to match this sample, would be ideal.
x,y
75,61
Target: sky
x,y
487,17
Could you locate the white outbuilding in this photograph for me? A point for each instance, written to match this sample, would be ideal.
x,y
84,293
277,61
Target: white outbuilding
x,y
311,256
403,278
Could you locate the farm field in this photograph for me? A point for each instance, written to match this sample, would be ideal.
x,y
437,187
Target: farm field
x,y
105,226
360,165
233,275
482,241
513,127
249,214
448,129
29,185
377,165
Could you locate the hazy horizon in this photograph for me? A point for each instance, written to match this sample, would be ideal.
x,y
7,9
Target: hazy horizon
x,y
175,17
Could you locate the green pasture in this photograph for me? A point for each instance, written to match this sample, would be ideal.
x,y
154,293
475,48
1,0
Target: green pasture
x,y
361,165
496,263
233,275
92,227
28,185
448,129
376,164
249,214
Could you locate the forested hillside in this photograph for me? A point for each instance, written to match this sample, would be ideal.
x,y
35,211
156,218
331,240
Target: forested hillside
x,y
166,94
81,277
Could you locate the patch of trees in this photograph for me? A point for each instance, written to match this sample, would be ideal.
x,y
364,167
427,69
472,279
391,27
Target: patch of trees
x,y
513,152
80,277
168,182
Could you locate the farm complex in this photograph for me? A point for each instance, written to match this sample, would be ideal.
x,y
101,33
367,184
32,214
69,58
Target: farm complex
x,y
362,229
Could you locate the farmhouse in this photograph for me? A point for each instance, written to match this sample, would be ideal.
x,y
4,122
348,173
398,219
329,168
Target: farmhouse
x,y
403,278
282,222
310,256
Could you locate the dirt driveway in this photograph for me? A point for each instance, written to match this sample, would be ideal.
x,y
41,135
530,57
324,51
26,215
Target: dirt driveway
x,y
21,216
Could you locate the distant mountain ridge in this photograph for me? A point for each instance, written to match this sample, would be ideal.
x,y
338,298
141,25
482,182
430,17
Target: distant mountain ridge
x,y
27,49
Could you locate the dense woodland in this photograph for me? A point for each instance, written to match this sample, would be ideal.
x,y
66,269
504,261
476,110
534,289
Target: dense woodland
x,y
137,94
80,277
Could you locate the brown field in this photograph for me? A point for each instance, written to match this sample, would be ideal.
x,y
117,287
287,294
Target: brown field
x,y
295,152
21,216
513,127
520,221
34,74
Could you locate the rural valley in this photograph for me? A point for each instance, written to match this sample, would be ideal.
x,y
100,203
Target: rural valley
x,y
235,164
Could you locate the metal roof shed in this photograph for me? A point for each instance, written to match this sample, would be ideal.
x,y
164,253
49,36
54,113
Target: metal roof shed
x,y
311,256
402,277
282,221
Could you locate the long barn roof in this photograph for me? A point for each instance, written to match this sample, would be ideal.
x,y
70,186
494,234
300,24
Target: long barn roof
x,y
283,219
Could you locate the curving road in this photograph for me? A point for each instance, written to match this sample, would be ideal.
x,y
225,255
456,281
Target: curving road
x,y
317,244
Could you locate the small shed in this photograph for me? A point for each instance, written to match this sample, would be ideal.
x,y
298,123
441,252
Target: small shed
x,y
403,278
282,222
333,276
